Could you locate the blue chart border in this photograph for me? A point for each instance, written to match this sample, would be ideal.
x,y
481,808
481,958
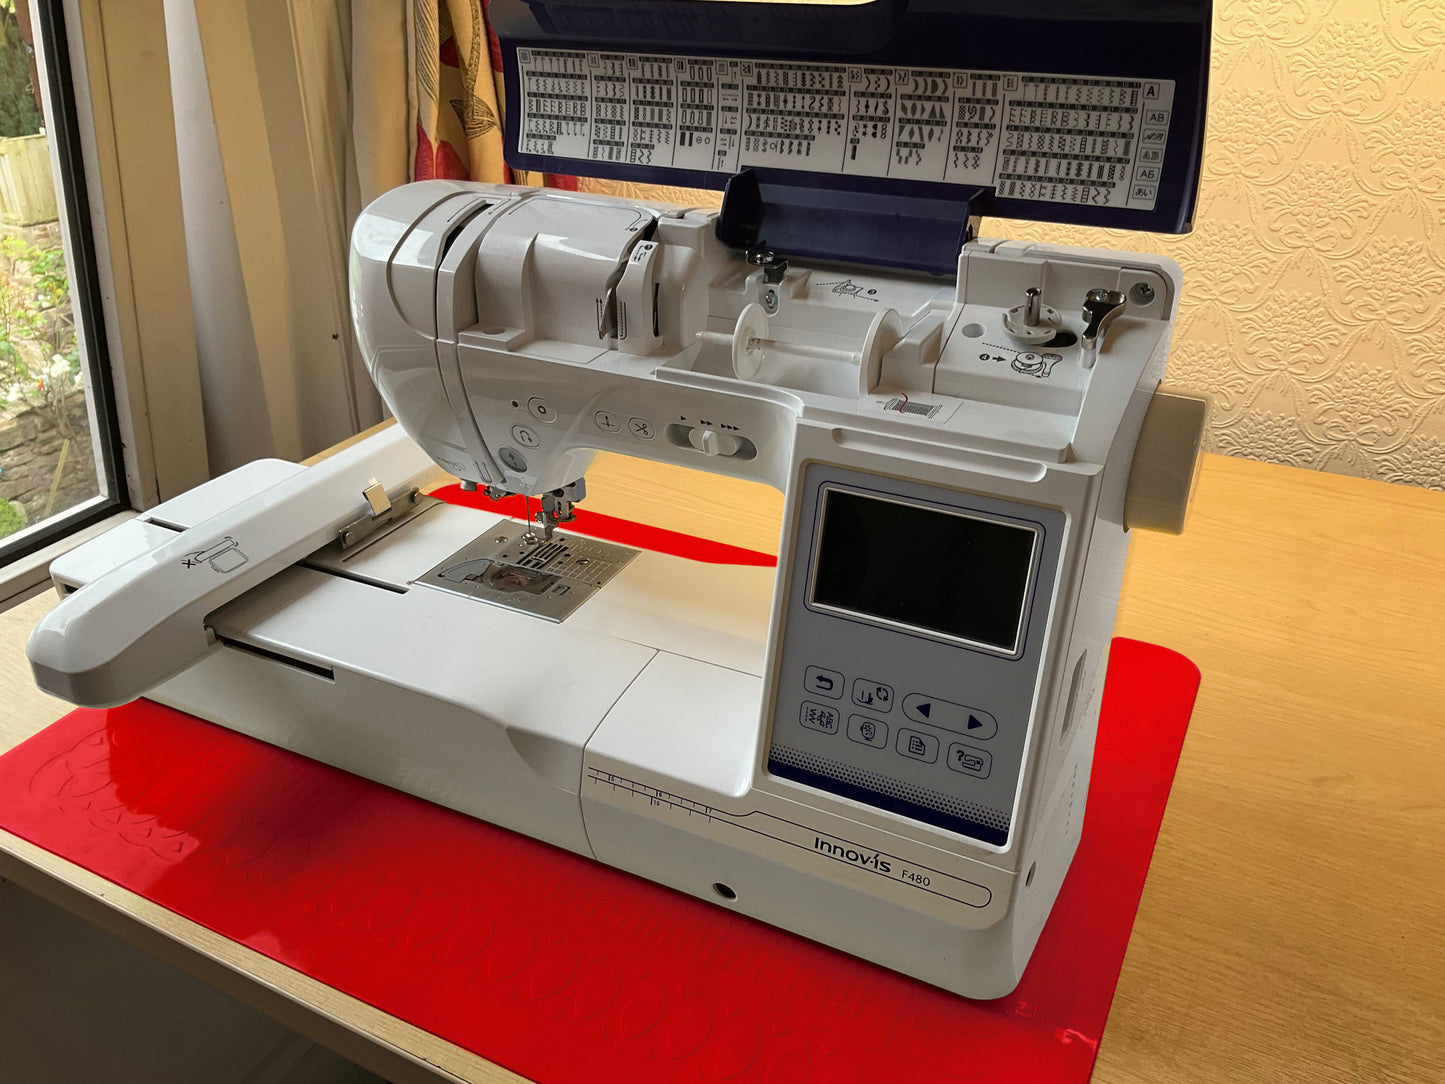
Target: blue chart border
x,y
1163,39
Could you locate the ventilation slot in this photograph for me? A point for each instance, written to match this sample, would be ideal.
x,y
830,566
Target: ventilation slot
x,y
903,406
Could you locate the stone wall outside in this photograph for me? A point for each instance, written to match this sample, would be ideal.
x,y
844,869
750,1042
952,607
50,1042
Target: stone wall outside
x,y
30,445
41,235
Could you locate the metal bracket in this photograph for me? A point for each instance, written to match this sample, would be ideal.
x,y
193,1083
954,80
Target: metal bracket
x,y
386,511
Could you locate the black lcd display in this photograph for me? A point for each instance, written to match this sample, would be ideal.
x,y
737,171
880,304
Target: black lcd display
x,y
940,572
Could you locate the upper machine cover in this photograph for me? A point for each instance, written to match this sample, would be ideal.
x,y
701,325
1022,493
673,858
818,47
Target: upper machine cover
x,y
870,132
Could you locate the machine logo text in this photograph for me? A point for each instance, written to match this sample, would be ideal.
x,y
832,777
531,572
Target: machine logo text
x,y
873,861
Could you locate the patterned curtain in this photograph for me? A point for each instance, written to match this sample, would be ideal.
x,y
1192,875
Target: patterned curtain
x,y
457,96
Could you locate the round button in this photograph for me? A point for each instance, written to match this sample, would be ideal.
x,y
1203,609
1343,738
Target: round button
x,y
512,460
607,421
541,409
527,438
640,428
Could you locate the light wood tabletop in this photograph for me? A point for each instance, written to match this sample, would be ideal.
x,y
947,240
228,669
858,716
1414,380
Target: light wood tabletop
x,y
1291,926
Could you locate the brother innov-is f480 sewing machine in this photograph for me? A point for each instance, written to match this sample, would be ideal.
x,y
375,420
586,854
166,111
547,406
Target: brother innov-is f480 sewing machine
x,y
885,744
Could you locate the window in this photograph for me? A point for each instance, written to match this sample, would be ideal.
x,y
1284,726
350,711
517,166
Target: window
x,y
58,428
99,391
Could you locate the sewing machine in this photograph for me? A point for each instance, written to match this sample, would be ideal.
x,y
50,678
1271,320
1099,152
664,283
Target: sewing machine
x,y
885,744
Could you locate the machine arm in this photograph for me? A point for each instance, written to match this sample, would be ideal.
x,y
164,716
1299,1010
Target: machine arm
x,y
145,621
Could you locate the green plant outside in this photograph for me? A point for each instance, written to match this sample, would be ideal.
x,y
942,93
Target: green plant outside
x,y
39,360
12,518
18,115
39,357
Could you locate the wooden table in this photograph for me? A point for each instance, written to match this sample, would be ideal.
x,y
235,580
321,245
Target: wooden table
x,y
1293,924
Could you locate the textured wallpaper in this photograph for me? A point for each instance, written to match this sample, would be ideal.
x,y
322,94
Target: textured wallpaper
x,y
1314,295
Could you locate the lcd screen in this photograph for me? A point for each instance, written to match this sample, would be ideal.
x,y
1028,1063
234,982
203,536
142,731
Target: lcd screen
x,y
939,572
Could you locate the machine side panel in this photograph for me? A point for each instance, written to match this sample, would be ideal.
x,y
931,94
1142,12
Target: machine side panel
x,y
826,898
375,728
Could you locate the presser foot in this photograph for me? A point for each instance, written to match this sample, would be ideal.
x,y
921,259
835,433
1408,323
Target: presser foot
x,y
556,507
560,506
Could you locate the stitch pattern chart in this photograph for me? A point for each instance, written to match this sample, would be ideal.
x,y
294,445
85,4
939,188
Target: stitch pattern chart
x,y
1314,280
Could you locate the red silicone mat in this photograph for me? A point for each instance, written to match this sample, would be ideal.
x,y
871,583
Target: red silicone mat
x,y
557,967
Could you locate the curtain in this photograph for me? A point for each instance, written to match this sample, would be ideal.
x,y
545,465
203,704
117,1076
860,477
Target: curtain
x,y
291,117
264,126
381,95
456,96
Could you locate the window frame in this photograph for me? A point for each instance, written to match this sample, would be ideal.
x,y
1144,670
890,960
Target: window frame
x,y
110,116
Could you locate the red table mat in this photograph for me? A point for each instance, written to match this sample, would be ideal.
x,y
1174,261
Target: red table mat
x,y
555,966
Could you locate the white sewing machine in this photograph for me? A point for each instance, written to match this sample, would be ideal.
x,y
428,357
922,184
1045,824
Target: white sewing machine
x,y
884,745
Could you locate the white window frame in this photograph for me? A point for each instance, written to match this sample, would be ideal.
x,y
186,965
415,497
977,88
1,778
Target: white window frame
x,y
120,74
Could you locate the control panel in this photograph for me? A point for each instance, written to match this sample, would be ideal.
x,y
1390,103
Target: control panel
x,y
910,657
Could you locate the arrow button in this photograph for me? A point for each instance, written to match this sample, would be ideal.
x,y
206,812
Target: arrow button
x,y
945,714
